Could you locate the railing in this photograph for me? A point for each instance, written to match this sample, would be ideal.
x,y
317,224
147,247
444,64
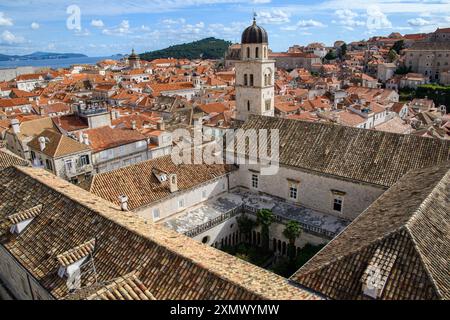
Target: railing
x,y
89,112
214,222
306,227
78,170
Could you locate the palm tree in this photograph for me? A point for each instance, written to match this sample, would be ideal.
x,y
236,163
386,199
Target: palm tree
x,y
292,232
265,219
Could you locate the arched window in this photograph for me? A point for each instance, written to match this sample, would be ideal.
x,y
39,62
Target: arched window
x,y
257,53
248,105
248,53
245,80
251,80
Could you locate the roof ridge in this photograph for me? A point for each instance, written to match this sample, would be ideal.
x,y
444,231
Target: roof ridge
x,y
412,221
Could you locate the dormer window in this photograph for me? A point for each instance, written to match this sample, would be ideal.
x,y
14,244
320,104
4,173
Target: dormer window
x,y
160,175
21,220
70,262
377,273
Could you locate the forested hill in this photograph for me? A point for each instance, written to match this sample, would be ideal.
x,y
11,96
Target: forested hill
x,y
209,48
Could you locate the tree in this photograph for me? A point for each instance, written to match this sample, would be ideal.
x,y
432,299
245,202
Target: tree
x,y
343,50
292,232
393,55
245,225
265,219
331,55
398,46
403,70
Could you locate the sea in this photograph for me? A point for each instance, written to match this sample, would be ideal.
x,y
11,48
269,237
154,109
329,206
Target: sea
x,y
51,63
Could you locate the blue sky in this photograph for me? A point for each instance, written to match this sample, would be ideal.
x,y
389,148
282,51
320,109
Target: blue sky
x,y
115,26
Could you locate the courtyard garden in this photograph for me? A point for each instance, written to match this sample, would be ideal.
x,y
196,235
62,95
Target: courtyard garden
x,y
256,249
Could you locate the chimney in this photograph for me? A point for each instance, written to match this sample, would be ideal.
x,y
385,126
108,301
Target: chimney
x,y
86,139
42,143
15,124
123,202
173,183
113,115
133,125
161,125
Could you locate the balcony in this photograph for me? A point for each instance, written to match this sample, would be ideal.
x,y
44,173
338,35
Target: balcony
x,y
78,170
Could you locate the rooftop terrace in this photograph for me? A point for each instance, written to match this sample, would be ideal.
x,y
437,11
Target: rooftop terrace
x,y
197,220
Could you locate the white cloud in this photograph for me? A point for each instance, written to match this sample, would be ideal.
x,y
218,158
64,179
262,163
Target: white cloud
x,y
419,22
261,1
97,23
276,16
173,21
5,21
10,38
304,25
35,26
122,29
348,18
376,19
310,24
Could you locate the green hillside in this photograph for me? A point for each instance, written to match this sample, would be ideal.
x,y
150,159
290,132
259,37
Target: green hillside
x,y
209,48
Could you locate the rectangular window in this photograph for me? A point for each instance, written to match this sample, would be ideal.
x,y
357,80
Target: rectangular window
x,y
69,165
293,191
49,165
255,181
84,160
204,194
338,204
156,214
180,203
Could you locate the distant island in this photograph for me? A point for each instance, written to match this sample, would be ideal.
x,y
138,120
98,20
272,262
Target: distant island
x,y
209,48
41,56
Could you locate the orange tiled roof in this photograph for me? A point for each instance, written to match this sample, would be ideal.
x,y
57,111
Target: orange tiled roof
x,y
106,137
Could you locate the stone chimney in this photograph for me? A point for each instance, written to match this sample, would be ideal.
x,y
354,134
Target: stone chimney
x,y
113,115
161,125
123,202
42,143
15,124
86,139
173,183
134,125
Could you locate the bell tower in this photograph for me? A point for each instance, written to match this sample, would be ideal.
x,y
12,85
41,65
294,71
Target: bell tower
x,y
255,75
